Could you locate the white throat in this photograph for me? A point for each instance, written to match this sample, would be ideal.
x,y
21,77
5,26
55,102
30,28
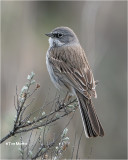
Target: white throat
x,y
56,42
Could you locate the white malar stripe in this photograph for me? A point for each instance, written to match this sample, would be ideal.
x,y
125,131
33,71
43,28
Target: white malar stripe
x,y
55,41
50,42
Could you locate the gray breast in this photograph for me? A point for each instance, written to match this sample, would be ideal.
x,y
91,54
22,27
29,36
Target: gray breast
x,y
54,77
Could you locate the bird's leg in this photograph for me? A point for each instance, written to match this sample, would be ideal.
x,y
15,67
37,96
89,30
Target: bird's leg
x,y
66,99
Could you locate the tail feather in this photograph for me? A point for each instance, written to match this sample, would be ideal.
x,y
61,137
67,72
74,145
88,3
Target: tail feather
x,y
92,125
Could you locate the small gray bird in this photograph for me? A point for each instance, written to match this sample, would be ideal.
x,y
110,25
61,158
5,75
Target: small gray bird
x,y
69,70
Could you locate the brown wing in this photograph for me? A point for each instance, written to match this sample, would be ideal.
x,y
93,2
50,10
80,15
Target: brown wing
x,y
72,62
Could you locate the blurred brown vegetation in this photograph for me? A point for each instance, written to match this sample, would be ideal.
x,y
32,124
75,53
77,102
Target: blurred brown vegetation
x,y
102,30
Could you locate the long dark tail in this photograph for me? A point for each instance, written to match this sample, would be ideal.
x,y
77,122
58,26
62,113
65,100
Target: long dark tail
x,y
92,125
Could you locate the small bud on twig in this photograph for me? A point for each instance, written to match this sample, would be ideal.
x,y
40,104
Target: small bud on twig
x,y
37,85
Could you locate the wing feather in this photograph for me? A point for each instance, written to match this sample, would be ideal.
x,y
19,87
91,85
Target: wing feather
x,y
72,62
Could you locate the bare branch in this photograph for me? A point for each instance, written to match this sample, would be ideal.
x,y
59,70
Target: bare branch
x,y
79,144
24,122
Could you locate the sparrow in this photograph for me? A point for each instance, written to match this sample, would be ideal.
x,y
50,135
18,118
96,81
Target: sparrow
x,y
69,71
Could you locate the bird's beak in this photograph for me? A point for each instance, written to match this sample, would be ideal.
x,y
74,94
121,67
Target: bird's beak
x,y
49,34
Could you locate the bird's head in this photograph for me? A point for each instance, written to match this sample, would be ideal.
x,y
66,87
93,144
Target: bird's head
x,y
62,36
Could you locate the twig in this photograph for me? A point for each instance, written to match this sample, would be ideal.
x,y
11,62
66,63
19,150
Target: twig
x,y
29,143
11,133
73,148
51,144
79,144
23,122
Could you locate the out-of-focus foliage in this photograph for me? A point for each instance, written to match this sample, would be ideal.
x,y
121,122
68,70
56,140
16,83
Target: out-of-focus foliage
x,y
102,31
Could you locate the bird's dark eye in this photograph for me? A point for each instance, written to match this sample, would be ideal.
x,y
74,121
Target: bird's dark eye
x,y
58,35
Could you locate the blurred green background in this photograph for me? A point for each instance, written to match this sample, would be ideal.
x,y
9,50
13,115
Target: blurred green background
x,y
102,31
